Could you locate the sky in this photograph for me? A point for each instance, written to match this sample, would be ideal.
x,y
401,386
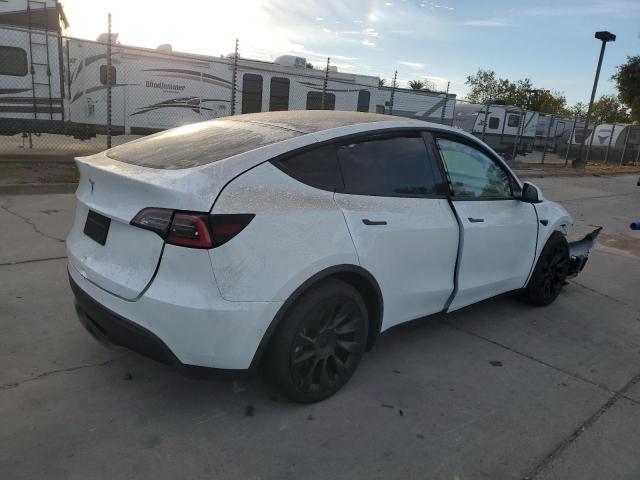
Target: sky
x,y
550,42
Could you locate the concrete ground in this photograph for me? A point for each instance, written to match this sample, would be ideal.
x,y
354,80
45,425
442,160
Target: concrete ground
x,y
500,390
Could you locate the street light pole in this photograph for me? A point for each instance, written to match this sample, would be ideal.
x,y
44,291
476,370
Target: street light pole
x,y
604,37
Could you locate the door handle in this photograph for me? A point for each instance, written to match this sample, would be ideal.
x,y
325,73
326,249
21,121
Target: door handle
x,y
475,220
366,221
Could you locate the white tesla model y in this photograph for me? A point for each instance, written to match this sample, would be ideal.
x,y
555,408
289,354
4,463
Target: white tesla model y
x,y
291,240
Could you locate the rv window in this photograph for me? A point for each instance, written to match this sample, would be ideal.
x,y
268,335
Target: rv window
x,y
494,123
363,100
279,96
14,61
314,101
318,168
513,120
251,93
103,75
388,166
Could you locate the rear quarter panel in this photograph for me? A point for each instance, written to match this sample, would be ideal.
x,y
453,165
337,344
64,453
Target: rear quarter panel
x,y
297,231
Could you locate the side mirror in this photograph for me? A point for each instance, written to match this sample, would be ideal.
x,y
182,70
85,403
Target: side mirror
x,y
531,193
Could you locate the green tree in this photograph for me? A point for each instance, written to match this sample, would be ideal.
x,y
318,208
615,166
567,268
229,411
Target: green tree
x,y
486,87
578,110
627,78
609,109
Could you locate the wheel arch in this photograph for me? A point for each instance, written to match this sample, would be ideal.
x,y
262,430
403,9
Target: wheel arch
x,y
354,275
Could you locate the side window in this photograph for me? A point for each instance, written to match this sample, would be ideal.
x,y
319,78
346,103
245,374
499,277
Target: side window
x,y
14,61
103,75
472,173
364,97
314,101
317,167
513,120
393,166
251,93
279,96
494,123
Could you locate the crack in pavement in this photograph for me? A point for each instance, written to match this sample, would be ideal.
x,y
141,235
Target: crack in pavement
x,y
28,221
567,441
9,386
608,297
526,355
20,262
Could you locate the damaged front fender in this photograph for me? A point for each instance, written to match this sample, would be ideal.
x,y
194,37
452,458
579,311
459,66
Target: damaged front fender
x,y
579,252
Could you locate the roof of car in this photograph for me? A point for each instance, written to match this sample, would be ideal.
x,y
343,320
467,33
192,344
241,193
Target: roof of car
x,y
208,142
312,121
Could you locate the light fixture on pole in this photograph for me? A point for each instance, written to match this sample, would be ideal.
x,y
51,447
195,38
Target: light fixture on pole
x,y
604,37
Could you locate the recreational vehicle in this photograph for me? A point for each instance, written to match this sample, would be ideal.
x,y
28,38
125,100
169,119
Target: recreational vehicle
x,y
501,126
50,83
552,131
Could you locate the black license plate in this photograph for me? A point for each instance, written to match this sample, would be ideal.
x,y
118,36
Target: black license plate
x,y
97,227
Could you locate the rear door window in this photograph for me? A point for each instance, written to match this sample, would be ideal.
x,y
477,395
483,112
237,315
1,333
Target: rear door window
x,y
397,165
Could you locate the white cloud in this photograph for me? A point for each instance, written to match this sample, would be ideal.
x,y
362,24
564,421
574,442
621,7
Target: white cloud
x,y
414,65
368,43
486,23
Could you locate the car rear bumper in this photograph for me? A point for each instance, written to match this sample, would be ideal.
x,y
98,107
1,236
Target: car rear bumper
x,y
180,319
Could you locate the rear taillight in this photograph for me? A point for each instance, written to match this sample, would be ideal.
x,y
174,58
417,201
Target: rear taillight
x,y
192,229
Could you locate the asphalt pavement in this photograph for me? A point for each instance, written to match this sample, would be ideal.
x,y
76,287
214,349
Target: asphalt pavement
x,y
499,390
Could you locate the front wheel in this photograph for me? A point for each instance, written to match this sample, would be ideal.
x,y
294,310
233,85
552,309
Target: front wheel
x,y
550,273
320,342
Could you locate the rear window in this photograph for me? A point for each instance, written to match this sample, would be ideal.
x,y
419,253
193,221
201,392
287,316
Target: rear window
x,y
198,144
317,167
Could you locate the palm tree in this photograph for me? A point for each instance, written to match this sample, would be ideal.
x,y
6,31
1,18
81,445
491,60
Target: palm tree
x,y
417,84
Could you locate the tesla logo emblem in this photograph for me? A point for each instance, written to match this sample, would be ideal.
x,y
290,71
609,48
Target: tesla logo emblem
x,y
92,185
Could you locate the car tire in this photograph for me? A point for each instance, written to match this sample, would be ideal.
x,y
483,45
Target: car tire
x,y
319,343
550,273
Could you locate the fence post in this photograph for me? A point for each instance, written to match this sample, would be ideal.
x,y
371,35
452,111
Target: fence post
x,y
624,148
593,134
109,64
393,92
606,155
324,85
570,142
486,116
234,86
523,119
635,162
444,106
546,140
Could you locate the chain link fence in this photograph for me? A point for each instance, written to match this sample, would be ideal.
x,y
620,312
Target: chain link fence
x,y
63,97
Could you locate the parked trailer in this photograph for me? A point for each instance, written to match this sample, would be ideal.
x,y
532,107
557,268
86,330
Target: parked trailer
x,y
552,131
505,126
157,89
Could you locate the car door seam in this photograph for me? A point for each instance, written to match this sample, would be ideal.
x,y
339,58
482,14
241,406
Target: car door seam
x,y
535,250
348,229
456,270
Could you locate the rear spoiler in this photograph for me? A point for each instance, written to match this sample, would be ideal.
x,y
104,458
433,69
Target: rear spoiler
x,y
579,252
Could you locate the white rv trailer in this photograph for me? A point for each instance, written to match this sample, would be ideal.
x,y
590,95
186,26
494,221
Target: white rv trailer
x,y
614,135
156,89
552,131
31,63
505,125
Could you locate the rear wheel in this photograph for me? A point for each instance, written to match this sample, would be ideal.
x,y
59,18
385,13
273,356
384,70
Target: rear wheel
x,y
550,273
320,342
